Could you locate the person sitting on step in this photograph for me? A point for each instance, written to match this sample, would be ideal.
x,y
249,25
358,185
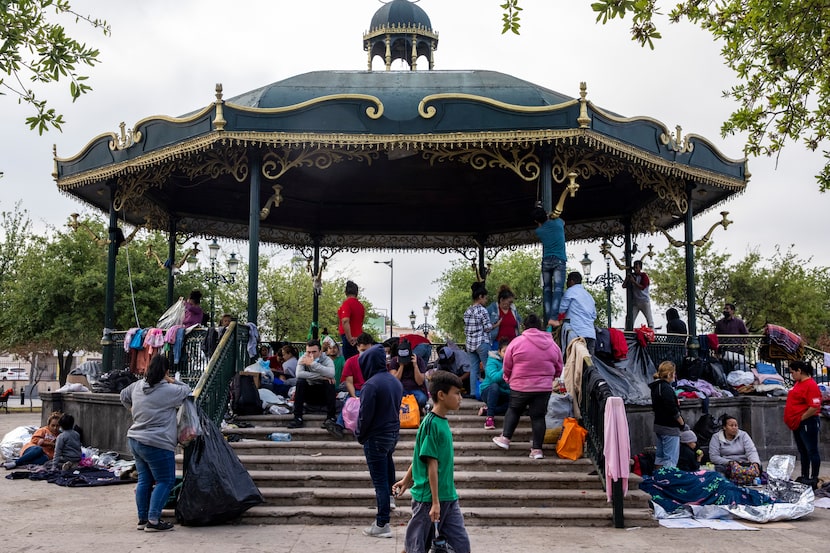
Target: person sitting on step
x,y
315,384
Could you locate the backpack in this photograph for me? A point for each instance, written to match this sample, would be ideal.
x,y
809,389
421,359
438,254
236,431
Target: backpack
x,y
244,396
705,427
692,369
643,464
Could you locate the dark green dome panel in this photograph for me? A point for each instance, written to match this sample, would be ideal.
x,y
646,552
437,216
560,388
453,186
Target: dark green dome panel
x,y
400,12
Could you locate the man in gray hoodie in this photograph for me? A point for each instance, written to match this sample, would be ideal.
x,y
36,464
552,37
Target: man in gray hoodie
x,y
315,384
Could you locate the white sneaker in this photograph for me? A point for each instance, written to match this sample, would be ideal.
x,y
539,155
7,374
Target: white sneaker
x,y
392,505
9,465
376,531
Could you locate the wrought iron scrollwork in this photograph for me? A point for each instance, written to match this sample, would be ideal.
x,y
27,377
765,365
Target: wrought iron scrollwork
x,y
523,161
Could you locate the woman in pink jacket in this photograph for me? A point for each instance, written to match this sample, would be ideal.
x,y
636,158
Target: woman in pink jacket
x,y
531,363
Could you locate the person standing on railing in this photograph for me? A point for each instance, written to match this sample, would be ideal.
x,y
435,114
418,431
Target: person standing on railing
x,y
667,418
638,282
551,232
350,315
801,416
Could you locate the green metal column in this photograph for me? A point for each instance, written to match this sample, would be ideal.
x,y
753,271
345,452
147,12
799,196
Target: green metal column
x,y
315,302
171,256
629,294
109,300
690,276
546,182
253,238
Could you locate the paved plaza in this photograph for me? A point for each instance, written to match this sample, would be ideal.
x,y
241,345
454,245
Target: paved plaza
x,y
38,516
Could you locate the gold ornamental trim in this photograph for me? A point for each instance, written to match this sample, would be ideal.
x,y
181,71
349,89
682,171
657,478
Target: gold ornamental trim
x,y
423,141
375,112
522,161
400,29
428,112
666,132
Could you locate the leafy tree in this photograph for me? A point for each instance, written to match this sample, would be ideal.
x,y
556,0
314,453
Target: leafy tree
x,y
778,50
518,269
15,227
782,289
35,48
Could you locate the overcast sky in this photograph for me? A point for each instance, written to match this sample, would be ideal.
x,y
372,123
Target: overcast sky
x,y
164,58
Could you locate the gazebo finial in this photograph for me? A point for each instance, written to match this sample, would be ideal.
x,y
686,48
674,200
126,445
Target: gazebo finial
x,y
583,119
219,121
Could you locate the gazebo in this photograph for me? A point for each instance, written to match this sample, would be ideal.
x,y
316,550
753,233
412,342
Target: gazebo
x,y
332,161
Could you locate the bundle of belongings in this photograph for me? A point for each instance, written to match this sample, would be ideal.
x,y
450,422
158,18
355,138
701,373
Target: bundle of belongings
x,y
780,343
708,494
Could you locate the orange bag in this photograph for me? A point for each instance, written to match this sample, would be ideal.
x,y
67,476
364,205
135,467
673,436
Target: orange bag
x,y
572,442
410,412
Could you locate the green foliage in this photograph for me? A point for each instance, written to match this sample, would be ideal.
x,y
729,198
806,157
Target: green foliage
x,y
511,18
779,52
518,269
15,227
35,47
782,289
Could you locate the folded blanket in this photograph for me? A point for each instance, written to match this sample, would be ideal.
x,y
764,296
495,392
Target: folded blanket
x,y
779,335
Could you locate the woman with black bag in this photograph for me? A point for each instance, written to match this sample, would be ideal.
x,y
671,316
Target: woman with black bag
x,y
152,438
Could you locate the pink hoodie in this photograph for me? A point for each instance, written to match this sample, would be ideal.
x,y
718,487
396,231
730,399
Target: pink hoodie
x,y
532,361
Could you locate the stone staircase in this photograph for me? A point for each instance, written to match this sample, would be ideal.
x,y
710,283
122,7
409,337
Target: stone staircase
x,y
316,479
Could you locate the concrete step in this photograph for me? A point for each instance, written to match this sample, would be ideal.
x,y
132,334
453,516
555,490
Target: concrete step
x,y
312,432
463,479
356,461
470,498
460,419
404,448
473,516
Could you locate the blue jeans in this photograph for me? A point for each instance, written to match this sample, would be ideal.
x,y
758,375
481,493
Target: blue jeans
x,y
806,440
478,355
156,477
668,450
32,456
378,450
553,285
348,350
495,399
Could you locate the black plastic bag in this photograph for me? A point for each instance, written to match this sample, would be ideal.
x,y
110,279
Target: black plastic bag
x,y
216,488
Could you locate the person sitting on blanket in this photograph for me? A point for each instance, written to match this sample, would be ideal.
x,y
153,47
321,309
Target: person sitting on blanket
x,y
41,447
731,444
690,456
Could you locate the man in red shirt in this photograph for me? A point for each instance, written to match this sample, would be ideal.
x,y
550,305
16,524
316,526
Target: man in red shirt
x,y
350,315
801,416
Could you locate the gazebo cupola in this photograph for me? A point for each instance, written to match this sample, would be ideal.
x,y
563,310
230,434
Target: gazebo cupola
x,y
400,30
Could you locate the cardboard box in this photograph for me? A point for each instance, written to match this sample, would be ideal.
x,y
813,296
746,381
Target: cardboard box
x,y
78,379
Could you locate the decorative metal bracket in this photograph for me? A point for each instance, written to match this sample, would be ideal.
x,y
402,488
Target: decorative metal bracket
x,y
605,250
325,255
724,222
74,224
571,189
275,200
169,264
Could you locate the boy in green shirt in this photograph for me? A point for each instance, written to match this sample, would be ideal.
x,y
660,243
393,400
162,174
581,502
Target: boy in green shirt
x,y
434,498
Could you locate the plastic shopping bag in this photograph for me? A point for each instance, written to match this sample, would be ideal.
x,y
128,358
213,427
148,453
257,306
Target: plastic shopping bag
x,y
410,412
572,443
188,425
350,411
173,316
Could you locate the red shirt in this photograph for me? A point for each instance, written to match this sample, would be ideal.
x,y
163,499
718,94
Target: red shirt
x,y
353,310
508,327
805,394
352,368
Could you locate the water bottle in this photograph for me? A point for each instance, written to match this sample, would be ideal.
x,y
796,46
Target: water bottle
x,y
279,437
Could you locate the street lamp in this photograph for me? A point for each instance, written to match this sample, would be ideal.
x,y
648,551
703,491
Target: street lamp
x,y
412,318
426,327
607,280
390,264
215,278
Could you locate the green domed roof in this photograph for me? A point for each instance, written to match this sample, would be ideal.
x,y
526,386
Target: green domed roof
x,y
400,13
